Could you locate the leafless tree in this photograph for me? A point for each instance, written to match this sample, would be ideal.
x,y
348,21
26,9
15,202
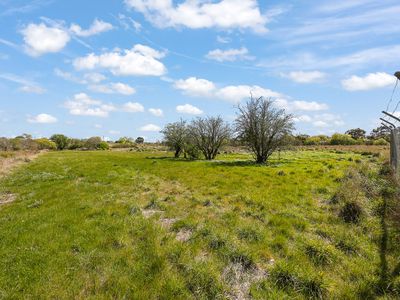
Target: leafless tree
x,y
175,136
262,127
209,135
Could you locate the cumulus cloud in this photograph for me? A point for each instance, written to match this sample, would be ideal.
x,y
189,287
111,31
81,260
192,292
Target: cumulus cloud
x,y
229,55
113,88
195,86
225,14
368,82
40,39
139,61
198,87
305,77
236,93
156,112
42,119
83,105
188,109
299,105
97,27
324,120
150,127
94,77
54,36
133,107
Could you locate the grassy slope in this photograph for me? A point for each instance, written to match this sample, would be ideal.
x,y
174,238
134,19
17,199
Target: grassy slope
x,y
76,228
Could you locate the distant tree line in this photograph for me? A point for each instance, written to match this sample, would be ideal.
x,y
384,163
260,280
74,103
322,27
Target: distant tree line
x,y
62,142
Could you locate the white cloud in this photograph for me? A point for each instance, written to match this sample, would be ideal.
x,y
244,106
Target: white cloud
x,y
198,87
150,127
236,93
156,112
42,119
83,105
195,86
324,120
139,61
97,27
113,88
40,39
98,126
32,89
94,77
133,107
188,109
298,105
308,105
223,39
305,77
303,118
224,14
229,55
368,82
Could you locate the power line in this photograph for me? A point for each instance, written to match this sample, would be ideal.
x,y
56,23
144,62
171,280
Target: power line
x,y
391,98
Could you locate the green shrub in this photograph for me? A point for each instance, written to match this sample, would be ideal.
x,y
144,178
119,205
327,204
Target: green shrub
x,y
380,142
93,143
60,140
317,140
342,139
103,146
75,144
46,144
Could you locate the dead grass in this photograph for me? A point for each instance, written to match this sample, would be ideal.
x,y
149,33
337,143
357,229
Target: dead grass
x,y
240,280
7,198
10,160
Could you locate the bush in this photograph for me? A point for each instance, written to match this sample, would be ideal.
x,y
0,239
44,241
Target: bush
x,y
93,143
60,140
75,144
380,142
103,146
45,144
342,139
317,140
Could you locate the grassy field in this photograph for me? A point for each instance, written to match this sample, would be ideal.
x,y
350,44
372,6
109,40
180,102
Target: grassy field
x,y
132,225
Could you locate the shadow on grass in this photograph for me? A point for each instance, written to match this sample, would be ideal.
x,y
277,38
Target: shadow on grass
x,y
225,163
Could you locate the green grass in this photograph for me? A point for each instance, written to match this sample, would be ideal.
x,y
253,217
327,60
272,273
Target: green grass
x,y
77,230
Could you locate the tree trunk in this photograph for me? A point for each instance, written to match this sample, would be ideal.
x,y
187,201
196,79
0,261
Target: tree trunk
x,y
261,159
177,153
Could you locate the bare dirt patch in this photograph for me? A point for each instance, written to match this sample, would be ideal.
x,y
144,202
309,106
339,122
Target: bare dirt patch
x,y
7,198
15,159
147,213
184,235
240,279
167,222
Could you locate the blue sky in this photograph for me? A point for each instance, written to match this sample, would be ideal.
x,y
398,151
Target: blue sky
x,y
126,68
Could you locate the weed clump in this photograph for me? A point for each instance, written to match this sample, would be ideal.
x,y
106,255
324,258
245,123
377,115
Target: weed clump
x,y
287,278
319,253
351,212
249,235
